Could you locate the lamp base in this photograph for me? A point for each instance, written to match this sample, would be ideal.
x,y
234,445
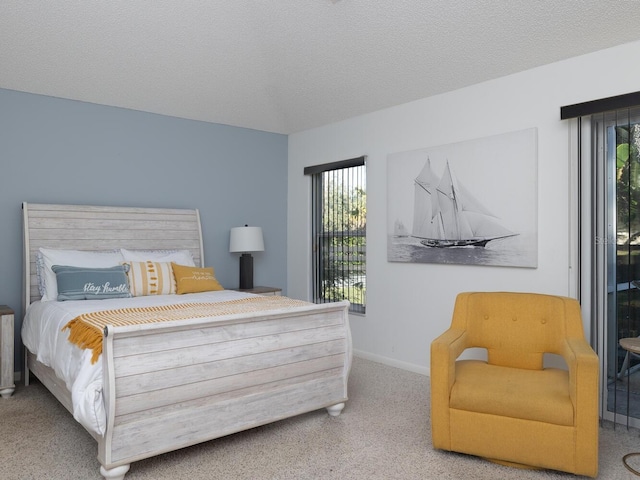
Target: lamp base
x,y
246,271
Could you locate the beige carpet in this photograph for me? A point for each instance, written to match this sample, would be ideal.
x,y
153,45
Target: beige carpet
x,y
383,433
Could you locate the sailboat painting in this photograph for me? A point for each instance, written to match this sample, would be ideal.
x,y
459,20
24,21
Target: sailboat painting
x,y
469,203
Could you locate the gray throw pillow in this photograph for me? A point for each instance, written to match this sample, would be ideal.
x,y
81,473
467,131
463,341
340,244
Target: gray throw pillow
x,y
88,283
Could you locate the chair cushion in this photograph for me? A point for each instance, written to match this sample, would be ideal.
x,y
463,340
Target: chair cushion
x,y
539,395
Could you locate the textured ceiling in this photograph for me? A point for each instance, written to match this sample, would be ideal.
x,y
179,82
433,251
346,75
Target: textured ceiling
x,y
288,65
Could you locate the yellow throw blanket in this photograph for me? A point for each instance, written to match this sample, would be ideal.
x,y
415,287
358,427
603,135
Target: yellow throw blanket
x,y
86,330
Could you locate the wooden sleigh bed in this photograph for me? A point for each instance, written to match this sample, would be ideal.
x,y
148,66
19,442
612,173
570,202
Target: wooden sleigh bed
x,y
170,385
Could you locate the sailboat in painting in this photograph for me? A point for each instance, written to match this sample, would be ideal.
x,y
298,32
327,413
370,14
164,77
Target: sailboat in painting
x,y
399,230
446,214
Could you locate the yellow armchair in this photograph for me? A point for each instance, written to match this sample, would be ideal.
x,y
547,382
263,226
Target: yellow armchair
x,y
510,408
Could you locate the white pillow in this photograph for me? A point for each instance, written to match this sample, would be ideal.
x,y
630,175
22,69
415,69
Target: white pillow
x,y
73,258
181,257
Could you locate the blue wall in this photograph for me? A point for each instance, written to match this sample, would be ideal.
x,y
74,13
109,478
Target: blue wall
x,y
62,151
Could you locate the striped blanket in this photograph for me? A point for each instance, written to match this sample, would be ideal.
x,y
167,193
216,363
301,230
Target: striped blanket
x,y
86,330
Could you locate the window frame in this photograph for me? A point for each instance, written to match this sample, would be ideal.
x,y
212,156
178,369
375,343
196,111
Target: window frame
x,y
319,288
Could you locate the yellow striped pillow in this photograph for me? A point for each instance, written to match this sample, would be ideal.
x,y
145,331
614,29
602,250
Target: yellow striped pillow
x,y
150,278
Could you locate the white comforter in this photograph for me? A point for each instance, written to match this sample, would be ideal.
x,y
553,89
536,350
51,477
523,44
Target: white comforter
x,y
42,334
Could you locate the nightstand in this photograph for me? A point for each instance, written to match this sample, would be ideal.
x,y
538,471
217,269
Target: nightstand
x,y
6,352
261,290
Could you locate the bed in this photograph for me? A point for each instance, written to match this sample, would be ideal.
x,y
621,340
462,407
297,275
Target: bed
x,y
174,383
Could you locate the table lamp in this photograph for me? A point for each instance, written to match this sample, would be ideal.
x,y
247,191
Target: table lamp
x,y
246,240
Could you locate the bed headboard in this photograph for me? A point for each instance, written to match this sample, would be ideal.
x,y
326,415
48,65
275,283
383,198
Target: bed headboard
x,y
82,227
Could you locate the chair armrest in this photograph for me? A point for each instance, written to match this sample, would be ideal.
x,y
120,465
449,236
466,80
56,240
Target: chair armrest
x,y
444,351
583,369
583,389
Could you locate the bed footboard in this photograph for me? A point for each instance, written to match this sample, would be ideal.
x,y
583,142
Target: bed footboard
x,y
172,385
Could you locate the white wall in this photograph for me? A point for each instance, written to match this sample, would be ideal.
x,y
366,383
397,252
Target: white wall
x,y
408,305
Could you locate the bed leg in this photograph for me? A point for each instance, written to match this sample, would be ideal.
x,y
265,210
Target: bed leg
x,y
115,473
334,410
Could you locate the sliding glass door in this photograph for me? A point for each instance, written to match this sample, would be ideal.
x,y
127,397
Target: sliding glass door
x,y
616,142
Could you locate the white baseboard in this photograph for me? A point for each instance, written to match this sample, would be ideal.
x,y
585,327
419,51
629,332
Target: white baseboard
x,y
411,367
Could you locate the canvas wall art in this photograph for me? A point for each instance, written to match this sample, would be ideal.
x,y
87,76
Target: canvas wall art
x,y
472,202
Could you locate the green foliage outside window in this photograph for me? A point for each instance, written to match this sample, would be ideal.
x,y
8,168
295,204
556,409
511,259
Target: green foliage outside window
x,y
628,181
343,241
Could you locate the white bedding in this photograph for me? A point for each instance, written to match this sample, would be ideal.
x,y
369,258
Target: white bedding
x,y
42,334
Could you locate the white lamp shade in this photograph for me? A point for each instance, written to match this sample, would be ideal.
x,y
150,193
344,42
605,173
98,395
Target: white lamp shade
x,y
246,239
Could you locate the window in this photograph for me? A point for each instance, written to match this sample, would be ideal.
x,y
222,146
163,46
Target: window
x,y
339,227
